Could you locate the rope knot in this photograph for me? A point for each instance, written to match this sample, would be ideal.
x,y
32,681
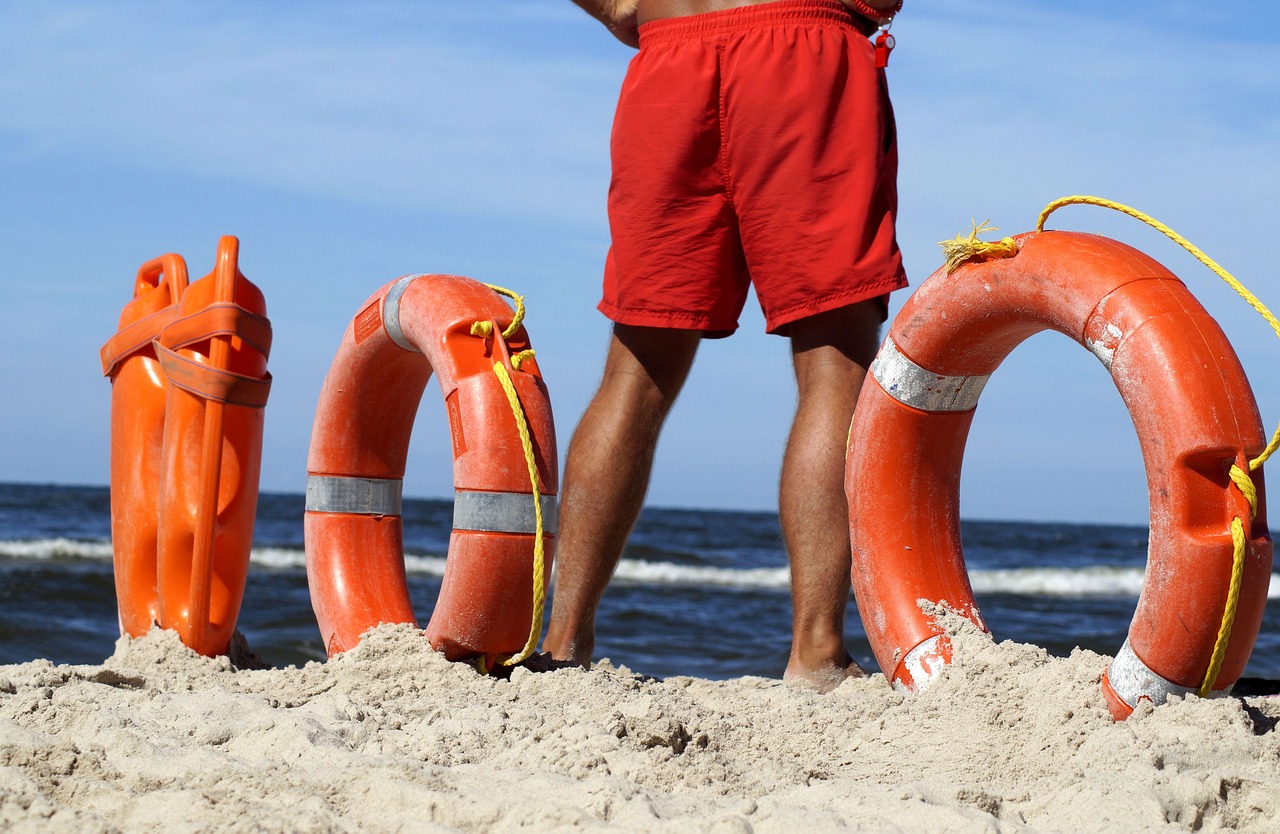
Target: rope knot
x,y
963,249
1245,484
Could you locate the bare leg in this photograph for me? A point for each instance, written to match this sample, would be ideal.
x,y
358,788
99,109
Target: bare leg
x,y
831,352
607,473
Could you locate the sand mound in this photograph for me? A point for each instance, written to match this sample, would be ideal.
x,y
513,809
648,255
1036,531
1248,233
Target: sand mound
x,y
390,737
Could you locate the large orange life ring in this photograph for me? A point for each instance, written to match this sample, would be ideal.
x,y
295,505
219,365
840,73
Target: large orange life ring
x,y
1195,417
189,376
408,329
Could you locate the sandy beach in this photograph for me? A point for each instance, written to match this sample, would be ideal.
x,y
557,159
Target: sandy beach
x,y
390,737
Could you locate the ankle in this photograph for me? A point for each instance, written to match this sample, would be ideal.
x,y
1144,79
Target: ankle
x,y
570,644
818,651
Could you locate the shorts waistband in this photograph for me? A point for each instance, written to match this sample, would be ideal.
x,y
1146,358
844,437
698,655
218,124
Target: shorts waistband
x,y
742,18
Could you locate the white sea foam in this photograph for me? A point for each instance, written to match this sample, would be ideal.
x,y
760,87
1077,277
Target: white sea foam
x,y
1059,582
1097,581
55,549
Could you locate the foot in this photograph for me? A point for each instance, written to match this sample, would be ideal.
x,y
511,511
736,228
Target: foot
x,y
570,648
823,677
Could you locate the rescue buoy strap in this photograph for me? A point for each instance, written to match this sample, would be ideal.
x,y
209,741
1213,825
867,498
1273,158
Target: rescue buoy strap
x,y
921,388
220,318
502,512
356,496
135,337
212,383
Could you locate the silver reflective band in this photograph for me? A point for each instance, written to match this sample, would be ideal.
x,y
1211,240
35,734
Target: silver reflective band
x,y
360,496
502,512
1133,680
924,663
912,385
391,312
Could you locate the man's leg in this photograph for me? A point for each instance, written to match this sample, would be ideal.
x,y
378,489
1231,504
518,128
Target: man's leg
x,y
607,473
831,352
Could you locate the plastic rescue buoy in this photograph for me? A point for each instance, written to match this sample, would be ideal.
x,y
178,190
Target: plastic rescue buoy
x,y
189,387
409,329
138,393
215,359
1195,417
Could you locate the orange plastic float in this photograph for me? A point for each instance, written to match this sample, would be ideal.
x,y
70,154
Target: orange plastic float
x,y
196,419
1203,597
505,478
138,393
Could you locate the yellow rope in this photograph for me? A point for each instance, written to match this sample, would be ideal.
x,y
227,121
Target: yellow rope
x,y
539,567
518,317
1239,477
962,249
1238,542
484,329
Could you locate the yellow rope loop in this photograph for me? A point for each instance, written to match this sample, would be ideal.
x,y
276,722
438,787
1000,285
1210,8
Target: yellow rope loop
x,y
962,249
539,561
483,329
519,316
1195,252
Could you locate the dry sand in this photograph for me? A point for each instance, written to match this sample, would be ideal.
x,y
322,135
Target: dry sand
x,y
390,737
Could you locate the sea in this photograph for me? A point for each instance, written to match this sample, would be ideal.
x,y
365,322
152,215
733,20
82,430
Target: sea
x,y
699,592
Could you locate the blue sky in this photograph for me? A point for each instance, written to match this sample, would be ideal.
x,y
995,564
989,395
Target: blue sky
x,y
347,144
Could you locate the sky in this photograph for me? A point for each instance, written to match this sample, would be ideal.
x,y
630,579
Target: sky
x,y
347,144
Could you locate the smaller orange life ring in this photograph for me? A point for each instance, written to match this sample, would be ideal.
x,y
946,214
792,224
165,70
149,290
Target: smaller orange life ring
x,y
1195,417
188,370
410,328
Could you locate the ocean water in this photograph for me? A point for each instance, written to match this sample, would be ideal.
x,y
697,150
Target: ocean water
x,y
700,593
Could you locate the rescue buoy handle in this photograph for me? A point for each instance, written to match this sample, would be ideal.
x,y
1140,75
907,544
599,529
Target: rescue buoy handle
x,y
171,268
168,272
227,270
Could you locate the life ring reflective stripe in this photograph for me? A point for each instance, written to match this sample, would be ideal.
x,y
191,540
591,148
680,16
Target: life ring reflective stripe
x,y
355,496
411,328
189,383
1191,405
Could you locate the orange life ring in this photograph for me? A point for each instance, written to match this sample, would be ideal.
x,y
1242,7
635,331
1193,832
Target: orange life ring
x,y
189,387
1194,413
359,445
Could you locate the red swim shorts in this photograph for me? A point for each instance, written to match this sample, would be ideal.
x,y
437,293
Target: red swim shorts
x,y
754,145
